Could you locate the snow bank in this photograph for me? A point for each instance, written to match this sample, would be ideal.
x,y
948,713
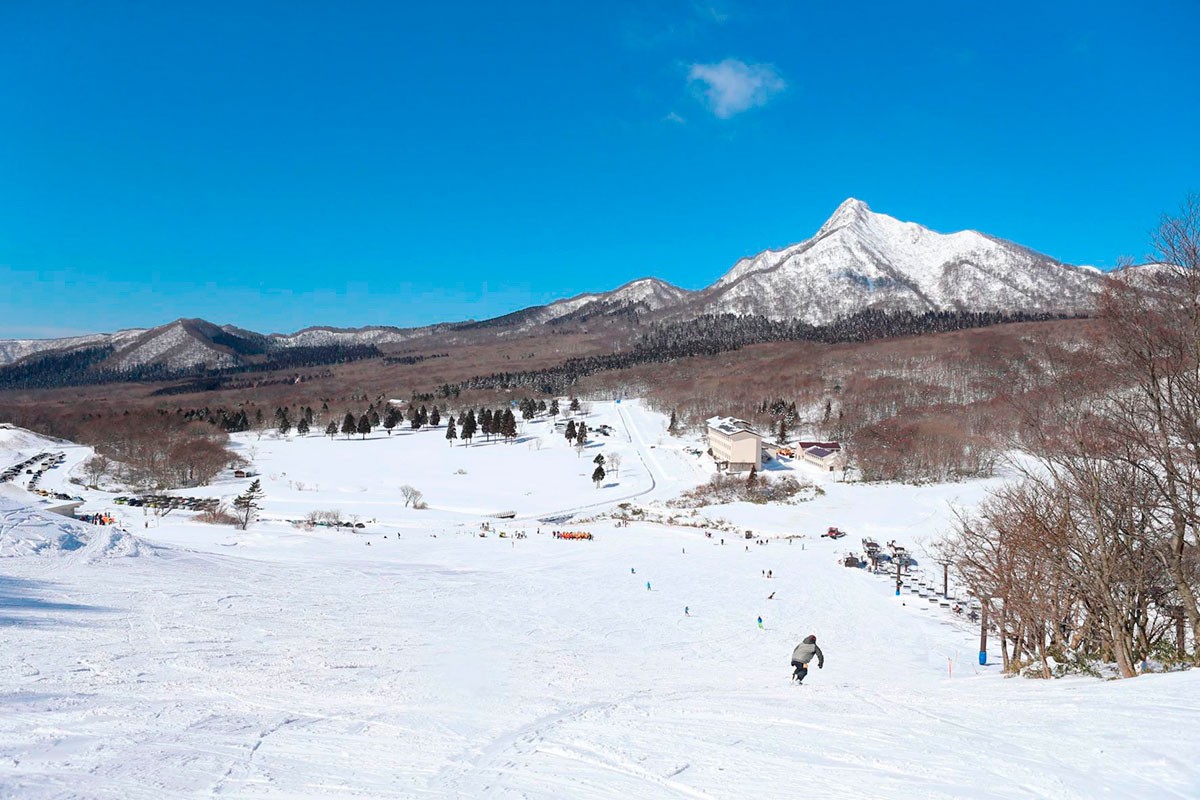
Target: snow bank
x,y
25,531
14,440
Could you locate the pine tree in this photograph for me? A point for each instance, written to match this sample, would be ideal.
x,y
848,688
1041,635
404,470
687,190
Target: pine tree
x,y
469,426
364,425
451,435
570,432
435,416
783,430
331,429
599,459
598,476
247,503
509,425
423,416
348,425
282,423
554,407
673,427
373,418
302,426
541,406
574,404
487,422
309,415
581,437
391,418
416,422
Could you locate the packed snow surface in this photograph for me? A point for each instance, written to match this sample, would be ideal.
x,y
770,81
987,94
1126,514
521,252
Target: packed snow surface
x,y
415,659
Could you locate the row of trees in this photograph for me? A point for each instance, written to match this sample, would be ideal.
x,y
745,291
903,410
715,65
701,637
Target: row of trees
x,y
1095,552
156,450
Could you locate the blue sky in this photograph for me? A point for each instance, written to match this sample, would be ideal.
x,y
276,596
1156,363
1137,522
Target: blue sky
x,y
278,165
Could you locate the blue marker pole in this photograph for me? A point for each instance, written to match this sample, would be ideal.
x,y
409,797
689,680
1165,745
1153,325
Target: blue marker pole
x,y
983,609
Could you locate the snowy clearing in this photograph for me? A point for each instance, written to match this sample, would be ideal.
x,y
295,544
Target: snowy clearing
x,y
415,659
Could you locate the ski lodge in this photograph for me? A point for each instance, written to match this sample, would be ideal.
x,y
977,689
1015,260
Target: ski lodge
x,y
824,454
735,445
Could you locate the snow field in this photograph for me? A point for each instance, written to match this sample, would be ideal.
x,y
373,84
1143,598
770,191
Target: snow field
x,y
414,659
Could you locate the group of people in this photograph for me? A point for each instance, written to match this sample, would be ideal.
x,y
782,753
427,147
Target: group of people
x,y
99,519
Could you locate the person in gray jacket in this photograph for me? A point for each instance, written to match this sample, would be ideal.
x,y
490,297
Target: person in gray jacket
x,y
803,654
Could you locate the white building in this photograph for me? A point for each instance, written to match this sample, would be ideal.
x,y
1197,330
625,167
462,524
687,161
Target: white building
x,y
735,444
823,455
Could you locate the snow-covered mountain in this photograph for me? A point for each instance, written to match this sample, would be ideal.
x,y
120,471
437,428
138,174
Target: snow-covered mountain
x,y
863,260
643,296
857,260
15,349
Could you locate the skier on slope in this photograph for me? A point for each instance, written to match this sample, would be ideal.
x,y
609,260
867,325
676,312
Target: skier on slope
x,y
803,654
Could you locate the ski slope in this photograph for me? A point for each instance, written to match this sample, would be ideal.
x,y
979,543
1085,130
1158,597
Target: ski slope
x,y
415,659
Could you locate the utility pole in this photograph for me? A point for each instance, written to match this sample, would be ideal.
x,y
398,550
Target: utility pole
x,y
897,576
946,580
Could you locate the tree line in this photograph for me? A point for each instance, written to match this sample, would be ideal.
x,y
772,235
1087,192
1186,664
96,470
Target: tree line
x,y
1094,553
712,334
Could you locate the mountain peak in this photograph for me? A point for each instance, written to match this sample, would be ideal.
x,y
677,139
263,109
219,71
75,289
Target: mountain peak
x,y
850,212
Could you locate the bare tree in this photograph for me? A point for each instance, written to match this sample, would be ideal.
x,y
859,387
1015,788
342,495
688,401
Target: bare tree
x,y
411,495
95,468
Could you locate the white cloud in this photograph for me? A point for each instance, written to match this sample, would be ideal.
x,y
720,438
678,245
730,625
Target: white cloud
x,y
673,117
733,86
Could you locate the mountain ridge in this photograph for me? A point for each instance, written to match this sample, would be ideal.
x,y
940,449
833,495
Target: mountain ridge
x,y
857,260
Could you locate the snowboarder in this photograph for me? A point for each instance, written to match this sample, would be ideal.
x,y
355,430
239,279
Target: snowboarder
x,y
803,654
687,611
647,586
760,625
632,571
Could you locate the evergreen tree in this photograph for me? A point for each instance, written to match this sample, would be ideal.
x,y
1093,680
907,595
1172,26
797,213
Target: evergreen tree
x,y
435,416
469,426
451,435
309,415
324,407
423,416
581,437
598,476
541,406
302,426
258,418
373,418
783,430
509,426
574,404
391,418
416,422
486,422
331,429
554,407
752,478
570,432
348,425
673,427
282,422
364,425
599,459
247,504
528,409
